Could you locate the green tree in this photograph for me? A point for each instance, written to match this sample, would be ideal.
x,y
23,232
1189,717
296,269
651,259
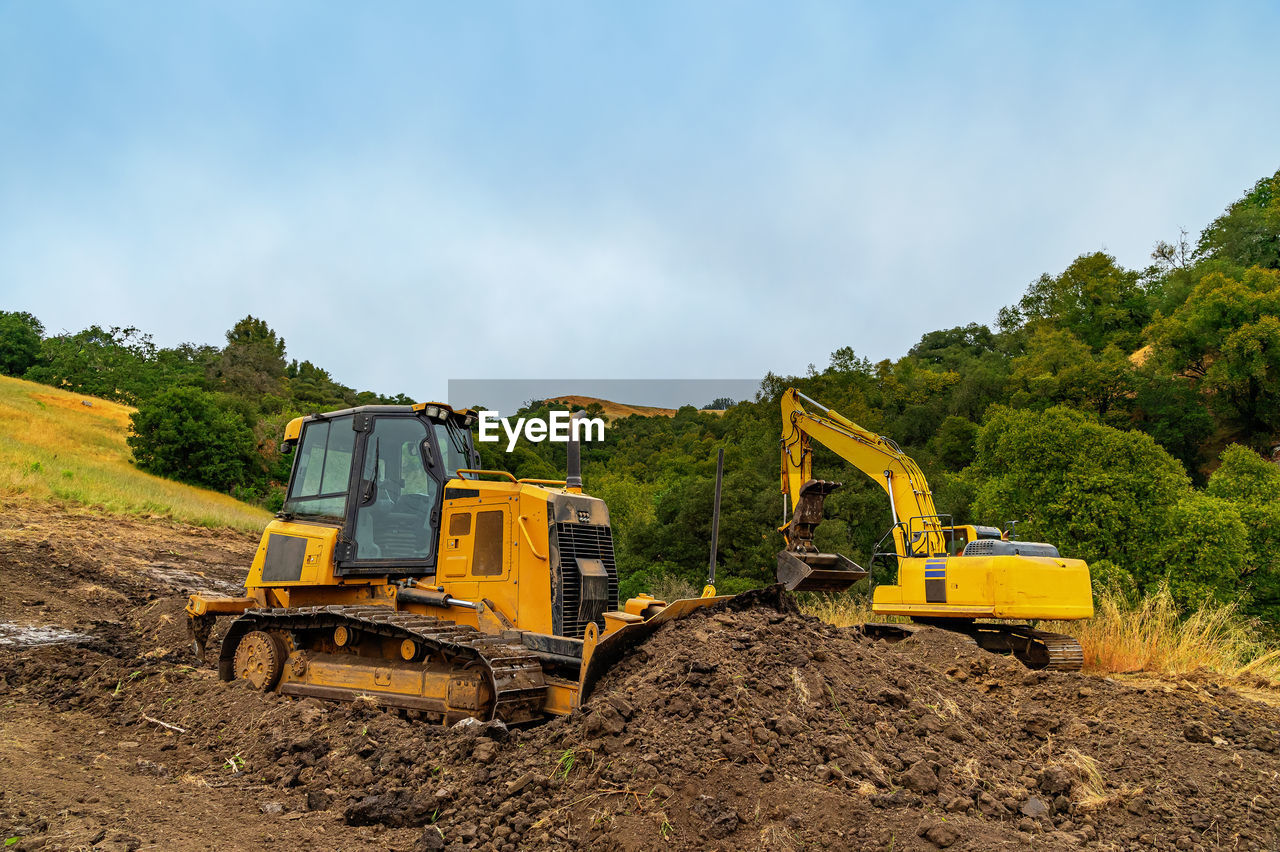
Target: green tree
x,y
252,364
1252,485
185,364
1171,410
110,363
1188,340
1203,549
1246,477
954,348
313,389
1244,379
1248,233
190,435
20,336
1060,369
1094,298
1226,336
956,442
1095,491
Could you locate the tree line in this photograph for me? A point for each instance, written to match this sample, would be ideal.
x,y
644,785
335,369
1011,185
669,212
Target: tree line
x,y
1128,415
206,415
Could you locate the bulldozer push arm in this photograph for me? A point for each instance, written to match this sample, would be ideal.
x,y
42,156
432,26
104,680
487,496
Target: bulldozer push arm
x,y
948,575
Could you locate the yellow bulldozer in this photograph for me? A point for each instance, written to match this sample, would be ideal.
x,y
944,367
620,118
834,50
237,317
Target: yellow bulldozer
x,y
399,569
960,577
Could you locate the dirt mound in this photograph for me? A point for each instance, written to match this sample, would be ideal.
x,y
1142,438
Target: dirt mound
x,y
735,728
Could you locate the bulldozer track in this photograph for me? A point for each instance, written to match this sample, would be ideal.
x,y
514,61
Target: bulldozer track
x,y
514,672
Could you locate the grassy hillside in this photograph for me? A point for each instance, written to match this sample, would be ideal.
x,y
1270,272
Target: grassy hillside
x,y
66,446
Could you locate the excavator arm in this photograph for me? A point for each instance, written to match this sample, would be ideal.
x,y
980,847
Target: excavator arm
x,y
917,531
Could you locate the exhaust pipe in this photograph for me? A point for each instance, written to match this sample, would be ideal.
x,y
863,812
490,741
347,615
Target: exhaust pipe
x,y
573,472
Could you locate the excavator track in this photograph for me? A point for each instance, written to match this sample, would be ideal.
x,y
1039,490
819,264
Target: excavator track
x,y
442,651
1035,649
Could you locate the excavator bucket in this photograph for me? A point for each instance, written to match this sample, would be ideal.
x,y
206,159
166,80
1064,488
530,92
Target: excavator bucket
x,y
817,572
801,568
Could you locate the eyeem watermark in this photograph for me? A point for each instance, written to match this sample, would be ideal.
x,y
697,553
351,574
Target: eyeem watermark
x,y
559,426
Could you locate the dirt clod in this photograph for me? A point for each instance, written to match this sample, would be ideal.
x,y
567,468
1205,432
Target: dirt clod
x,y
921,778
1034,807
1196,732
940,834
1056,779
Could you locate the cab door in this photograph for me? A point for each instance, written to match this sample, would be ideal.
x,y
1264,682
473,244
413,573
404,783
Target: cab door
x,y
397,497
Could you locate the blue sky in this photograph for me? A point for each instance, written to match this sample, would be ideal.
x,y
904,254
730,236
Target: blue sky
x,y
413,193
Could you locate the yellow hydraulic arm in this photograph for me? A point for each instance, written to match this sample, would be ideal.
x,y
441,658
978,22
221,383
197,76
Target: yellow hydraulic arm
x,y
917,528
989,578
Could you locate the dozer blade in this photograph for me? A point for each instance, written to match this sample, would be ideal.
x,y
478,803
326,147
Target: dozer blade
x,y
600,656
817,572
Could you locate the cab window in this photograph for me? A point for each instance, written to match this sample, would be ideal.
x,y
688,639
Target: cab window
x,y
398,494
322,469
455,447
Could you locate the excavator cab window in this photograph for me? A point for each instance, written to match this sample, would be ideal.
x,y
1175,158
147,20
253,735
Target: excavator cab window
x,y
957,538
398,495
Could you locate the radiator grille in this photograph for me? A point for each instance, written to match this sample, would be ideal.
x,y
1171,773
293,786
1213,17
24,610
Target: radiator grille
x,y
581,541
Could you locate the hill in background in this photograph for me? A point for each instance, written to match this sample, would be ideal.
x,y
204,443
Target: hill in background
x,y
613,410
67,446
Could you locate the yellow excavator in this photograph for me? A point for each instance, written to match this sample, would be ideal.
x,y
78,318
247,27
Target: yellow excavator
x,y
959,577
399,569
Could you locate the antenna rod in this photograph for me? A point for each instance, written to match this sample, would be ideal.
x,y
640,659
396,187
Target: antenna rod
x,y
715,517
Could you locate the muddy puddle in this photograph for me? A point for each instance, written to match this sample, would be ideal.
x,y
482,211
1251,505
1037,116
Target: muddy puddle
x,y
32,636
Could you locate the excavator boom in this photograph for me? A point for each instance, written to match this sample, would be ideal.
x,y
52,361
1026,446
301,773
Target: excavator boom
x,y
917,527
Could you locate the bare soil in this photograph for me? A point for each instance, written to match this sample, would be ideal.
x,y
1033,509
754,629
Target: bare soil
x,y
746,727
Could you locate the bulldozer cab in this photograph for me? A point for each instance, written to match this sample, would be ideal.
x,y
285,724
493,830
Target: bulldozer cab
x,y
378,472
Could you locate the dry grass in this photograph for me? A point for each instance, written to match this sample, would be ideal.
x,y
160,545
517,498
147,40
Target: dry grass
x,y
54,447
1090,791
844,610
668,588
1150,637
